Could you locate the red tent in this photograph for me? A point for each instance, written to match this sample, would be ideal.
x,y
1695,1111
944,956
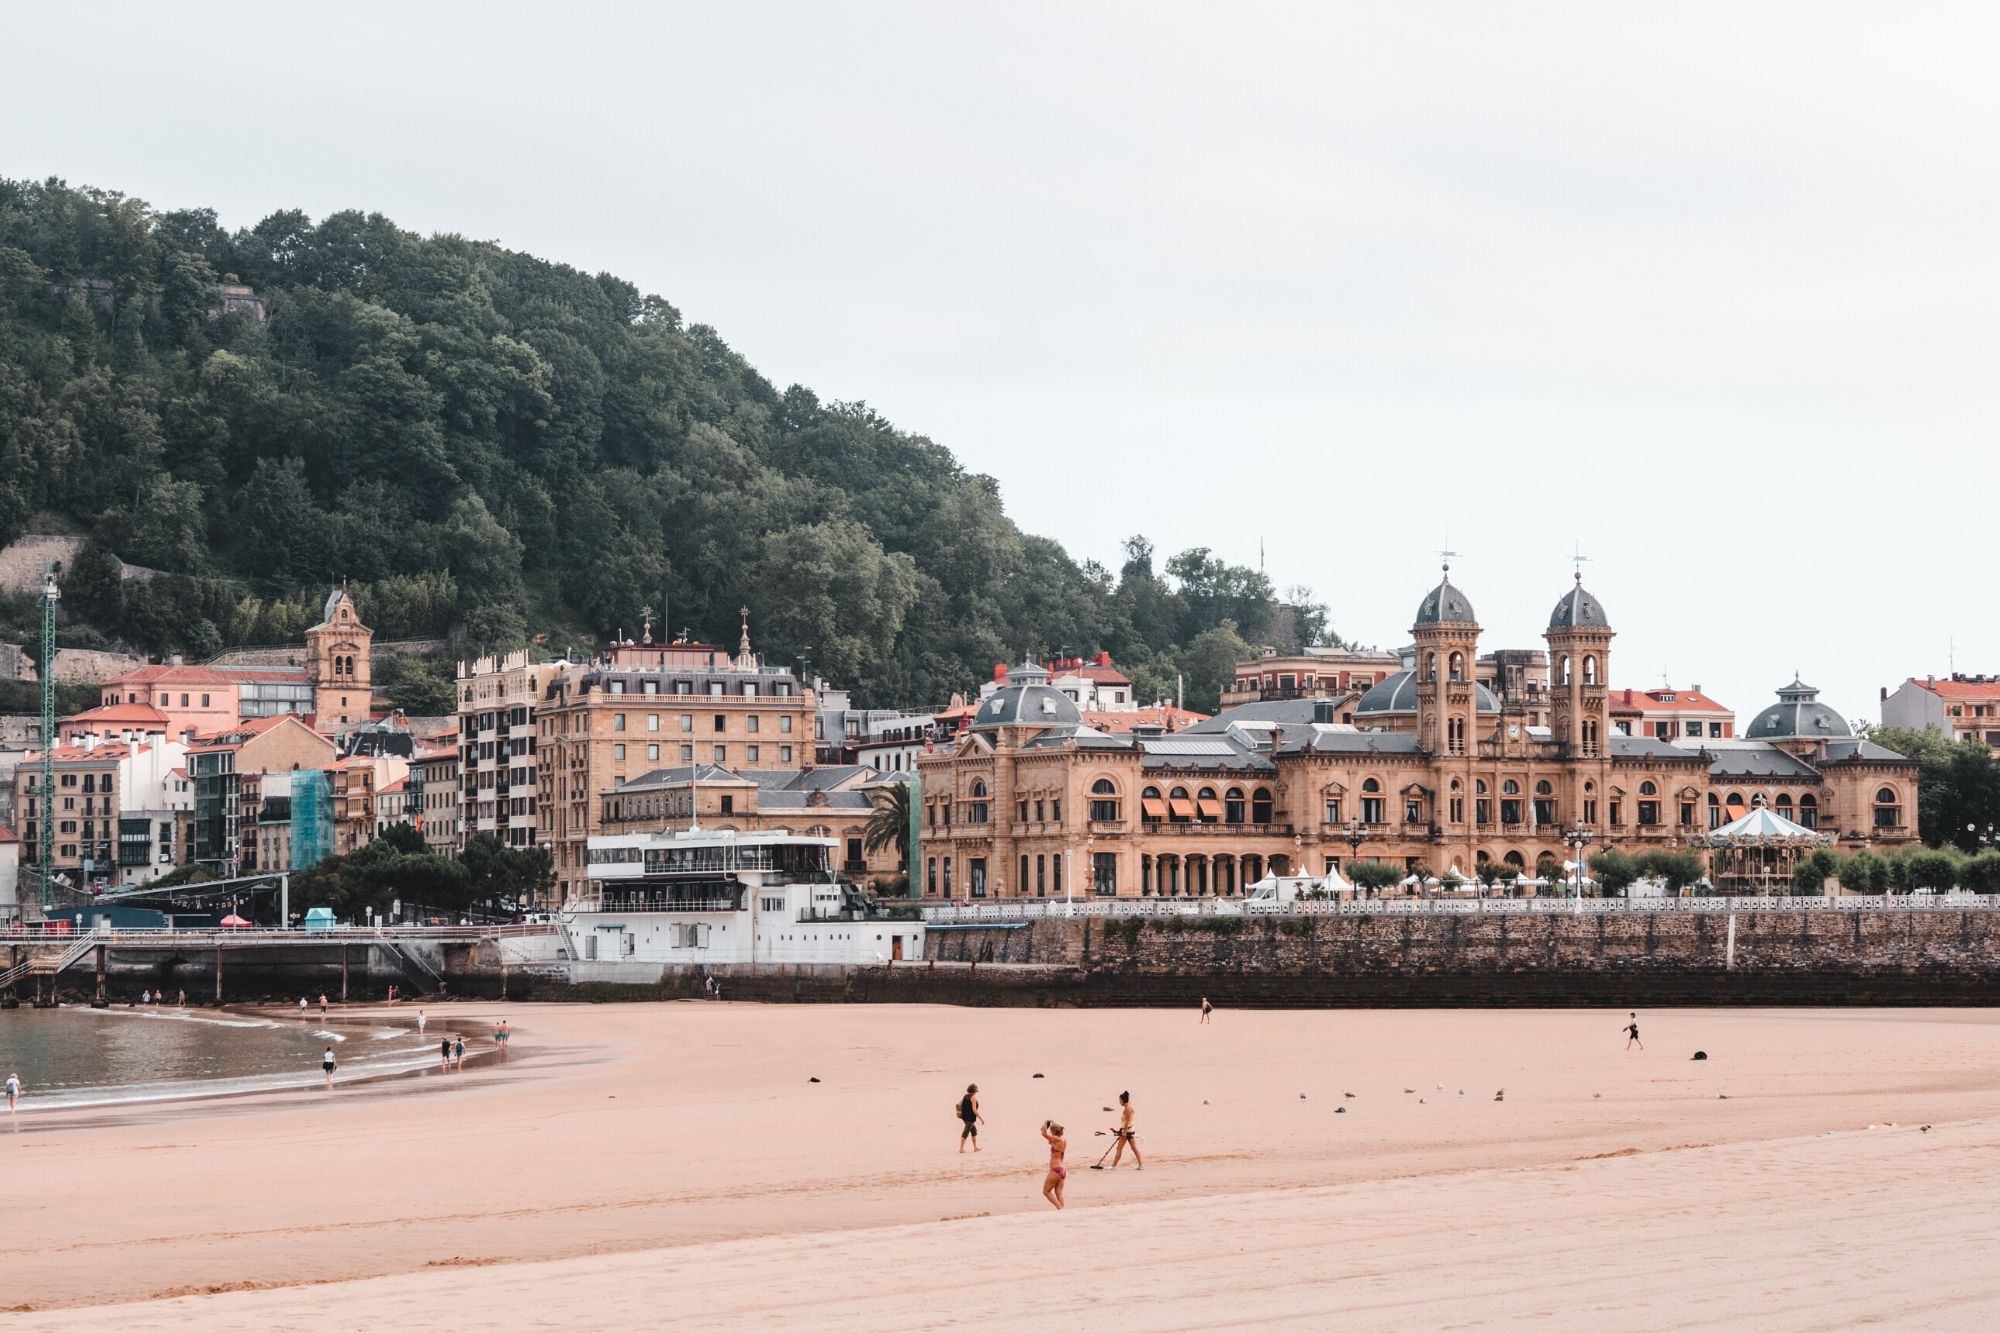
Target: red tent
x,y
234,920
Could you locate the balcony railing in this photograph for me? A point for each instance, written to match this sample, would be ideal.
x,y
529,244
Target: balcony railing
x,y
1217,828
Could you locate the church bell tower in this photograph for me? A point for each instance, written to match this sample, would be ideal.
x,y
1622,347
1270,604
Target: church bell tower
x,y
340,662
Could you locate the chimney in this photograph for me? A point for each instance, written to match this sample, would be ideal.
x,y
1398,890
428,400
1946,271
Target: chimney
x,y
999,673
175,660
1104,659
1885,692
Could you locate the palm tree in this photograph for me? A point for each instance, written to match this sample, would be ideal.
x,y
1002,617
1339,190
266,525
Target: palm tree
x,y
889,822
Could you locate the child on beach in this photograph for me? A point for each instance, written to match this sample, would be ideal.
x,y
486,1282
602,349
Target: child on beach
x,y
1206,1008
421,1020
1052,1183
969,1117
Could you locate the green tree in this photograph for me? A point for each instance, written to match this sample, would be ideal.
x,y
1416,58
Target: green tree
x,y
1208,665
889,818
1614,871
1373,875
1674,870
1810,875
1863,872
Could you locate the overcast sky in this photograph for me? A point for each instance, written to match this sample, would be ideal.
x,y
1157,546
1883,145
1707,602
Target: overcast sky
x,y
1709,291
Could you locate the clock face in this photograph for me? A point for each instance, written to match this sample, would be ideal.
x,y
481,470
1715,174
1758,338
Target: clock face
x,y
1515,731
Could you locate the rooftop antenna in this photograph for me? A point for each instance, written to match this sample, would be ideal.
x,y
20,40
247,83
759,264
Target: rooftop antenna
x,y
646,621
1951,653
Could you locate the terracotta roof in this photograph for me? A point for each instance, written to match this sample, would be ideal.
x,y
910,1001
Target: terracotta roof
x,y
8,835
102,752
120,713
1947,688
1104,675
396,786
1684,701
170,675
1124,720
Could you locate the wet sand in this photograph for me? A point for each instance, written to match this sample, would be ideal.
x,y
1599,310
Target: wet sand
x,y
634,1160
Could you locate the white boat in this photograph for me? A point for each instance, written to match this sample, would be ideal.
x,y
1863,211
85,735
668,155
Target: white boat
x,y
667,902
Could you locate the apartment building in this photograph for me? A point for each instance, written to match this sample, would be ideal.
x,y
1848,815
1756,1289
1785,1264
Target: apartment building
x,y
642,706
115,817
498,780
435,790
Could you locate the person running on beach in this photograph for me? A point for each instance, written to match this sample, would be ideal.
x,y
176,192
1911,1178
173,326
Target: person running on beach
x,y
969,1117
13,1092
1632,1033
1126,1135
458,1054
444,1053
1206,1008
327,1062
1052,1183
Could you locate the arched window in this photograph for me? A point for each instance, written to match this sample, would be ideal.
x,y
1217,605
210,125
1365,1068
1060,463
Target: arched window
x,y
1232,806
1809,810
978,787
1783,804
1590,670
1888,811
1544,789
1431,665
1510,788
1370,784
1479,786
1151,808
1207,810
1562,677
1648,789
1180,807
1103,801
975,809
1458,666
1260,806
1714,810
1516,860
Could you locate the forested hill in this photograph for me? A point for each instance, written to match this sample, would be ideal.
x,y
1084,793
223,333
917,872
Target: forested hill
x,y
491,446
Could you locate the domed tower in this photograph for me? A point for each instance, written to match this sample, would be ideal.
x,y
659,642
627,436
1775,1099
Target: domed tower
x,y
1579,640
1579,665
1447,639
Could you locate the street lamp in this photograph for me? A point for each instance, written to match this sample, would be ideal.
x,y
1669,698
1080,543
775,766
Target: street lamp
x,y
1356,835
1984,837
1576,840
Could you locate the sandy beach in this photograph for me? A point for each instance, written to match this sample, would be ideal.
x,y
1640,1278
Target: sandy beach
x,y
634,1161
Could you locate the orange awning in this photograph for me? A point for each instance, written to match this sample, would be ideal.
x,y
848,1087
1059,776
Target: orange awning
x,y
1154,807
1182,807
1210,807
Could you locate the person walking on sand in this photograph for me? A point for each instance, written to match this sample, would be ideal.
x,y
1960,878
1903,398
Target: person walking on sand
x,y
326,1062
458,1054
1206,1008
182,1003
1052,1183
444,1054
1632,1033
13,1092
1126,1136
969,1117
302,1006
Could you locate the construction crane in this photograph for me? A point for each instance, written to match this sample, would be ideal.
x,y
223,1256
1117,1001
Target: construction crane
x,y
46,845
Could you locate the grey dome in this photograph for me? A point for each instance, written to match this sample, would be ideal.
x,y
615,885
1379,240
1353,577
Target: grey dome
x,y
1445,605
1798,712
1027,701
1398,694
1578,610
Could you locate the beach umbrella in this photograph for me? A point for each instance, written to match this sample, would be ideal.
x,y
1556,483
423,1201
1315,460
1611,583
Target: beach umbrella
x,y
234,920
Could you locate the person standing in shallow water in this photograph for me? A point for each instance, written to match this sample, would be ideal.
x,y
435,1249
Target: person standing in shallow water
x,y
326,1062
13,1092
444,1054
1052,1183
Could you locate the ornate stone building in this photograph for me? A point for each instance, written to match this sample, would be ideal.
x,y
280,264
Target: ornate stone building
x,y
1436,771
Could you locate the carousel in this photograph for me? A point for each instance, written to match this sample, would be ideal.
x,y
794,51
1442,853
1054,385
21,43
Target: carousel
x,y
1757,853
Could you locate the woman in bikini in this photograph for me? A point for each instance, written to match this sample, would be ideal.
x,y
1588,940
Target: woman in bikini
x,y
1052,1183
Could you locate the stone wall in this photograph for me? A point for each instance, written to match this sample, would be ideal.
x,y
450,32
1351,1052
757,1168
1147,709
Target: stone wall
x,y
1626,957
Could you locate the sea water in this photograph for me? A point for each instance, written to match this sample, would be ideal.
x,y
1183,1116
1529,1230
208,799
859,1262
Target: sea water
x,y
77,1056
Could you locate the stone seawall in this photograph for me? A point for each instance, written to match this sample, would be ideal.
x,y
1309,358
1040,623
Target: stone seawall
x,y
1651,958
